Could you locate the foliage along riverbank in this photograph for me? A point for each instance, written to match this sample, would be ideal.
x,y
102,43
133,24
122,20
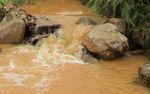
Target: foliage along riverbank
x,y
15,2
135,14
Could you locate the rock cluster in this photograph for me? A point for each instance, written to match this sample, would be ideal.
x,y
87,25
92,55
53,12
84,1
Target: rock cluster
x,y
19,27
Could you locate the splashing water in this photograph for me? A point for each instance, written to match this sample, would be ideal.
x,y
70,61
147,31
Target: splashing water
x,y
54,66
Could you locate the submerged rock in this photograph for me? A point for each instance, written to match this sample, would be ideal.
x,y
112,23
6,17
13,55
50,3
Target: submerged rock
x,y
12,29
89,57
144,74
106,42
86,21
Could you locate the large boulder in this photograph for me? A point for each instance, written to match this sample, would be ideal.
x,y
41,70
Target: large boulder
x,y
106,42
12,29
144,74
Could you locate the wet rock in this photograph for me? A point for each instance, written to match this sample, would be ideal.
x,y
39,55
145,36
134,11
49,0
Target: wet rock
x,y
144,74
86,21
34,40
12,29
41,26
119,23
106,42
89,57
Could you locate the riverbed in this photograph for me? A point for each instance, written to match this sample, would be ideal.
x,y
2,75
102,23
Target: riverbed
x,y
54,67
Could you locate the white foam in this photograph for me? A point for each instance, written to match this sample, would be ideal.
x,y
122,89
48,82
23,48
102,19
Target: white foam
x,y
23,49
12,65
43,83
70,13
18,79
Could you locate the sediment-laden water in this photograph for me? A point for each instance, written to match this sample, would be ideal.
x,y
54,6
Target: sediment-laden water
x,y
55,67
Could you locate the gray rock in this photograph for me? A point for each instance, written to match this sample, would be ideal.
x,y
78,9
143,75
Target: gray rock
x,y
86,21
119,23
12,29
105,41
144,74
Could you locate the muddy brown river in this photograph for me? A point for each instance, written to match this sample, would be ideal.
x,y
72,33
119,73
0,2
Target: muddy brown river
x,y
55,67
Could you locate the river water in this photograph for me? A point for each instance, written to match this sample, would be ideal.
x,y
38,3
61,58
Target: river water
x,y
55,67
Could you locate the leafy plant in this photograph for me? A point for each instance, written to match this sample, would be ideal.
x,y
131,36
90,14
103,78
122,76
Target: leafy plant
x,y
2,3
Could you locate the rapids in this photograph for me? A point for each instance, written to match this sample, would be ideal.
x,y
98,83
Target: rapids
x,y
54,65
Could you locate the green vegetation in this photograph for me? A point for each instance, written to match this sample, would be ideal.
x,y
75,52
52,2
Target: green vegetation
x,y
15,2
2,13
135,13
21,2
2,3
